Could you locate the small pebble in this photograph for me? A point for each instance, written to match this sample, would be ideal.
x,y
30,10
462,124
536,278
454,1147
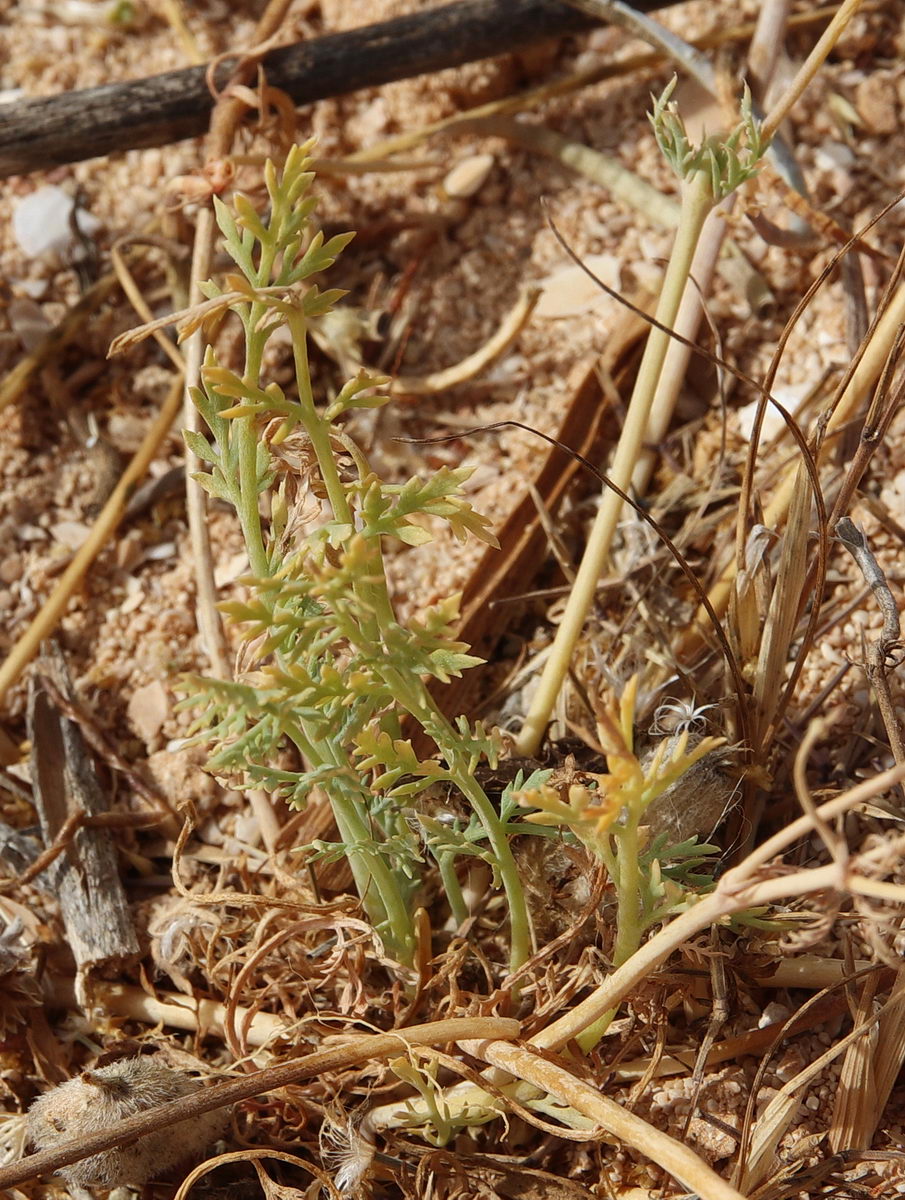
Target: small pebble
x,y
41,222
468,176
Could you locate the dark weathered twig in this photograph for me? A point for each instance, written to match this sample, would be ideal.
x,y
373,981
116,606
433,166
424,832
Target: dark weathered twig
x,y
375,1046
41,133
92,901
74,822
855,542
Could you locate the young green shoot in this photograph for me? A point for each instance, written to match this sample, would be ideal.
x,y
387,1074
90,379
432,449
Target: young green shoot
x,y
707,174
607,814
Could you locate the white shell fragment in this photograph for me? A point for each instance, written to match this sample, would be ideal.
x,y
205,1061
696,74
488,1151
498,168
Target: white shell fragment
x,y
468,176
790,397
41,222
569,291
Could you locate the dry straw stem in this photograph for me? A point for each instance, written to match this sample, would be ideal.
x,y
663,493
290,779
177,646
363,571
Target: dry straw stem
x,y
553,1079
766,41
888,1057
776,1118
810,67
678,354
177,1011
136,299
771,690
360,1050
851,1119
101,531
533,97
510,327
210,625
172,11
225,118
624,185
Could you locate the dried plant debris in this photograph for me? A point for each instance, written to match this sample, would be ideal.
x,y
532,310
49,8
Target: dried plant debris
x,y
703,859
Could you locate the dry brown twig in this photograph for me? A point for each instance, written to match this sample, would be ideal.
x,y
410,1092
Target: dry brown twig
x,y
362,1049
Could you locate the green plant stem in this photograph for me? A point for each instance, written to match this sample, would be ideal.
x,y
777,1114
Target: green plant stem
x,y
370,868
373,591
626,875
416,699
697,201
375,882
246,433
520,946
628,924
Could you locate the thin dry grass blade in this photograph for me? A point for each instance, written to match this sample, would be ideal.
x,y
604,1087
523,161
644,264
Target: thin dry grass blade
x,y
871,1067
854,1109
509,329
782,617
774,1122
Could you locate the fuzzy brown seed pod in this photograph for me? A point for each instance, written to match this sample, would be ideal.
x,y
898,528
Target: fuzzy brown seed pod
x,y
696,803
97,1099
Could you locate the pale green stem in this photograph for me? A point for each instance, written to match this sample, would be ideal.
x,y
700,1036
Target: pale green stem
x,y
520,947
374,880
697,201
628,924
452,887
370,870
372,592
627,879
247,434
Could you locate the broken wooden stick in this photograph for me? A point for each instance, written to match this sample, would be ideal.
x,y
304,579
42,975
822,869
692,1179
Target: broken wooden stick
x,y
92,901
49,131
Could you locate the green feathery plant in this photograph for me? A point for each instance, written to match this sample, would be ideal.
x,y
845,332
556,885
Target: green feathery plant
x,y
329,668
